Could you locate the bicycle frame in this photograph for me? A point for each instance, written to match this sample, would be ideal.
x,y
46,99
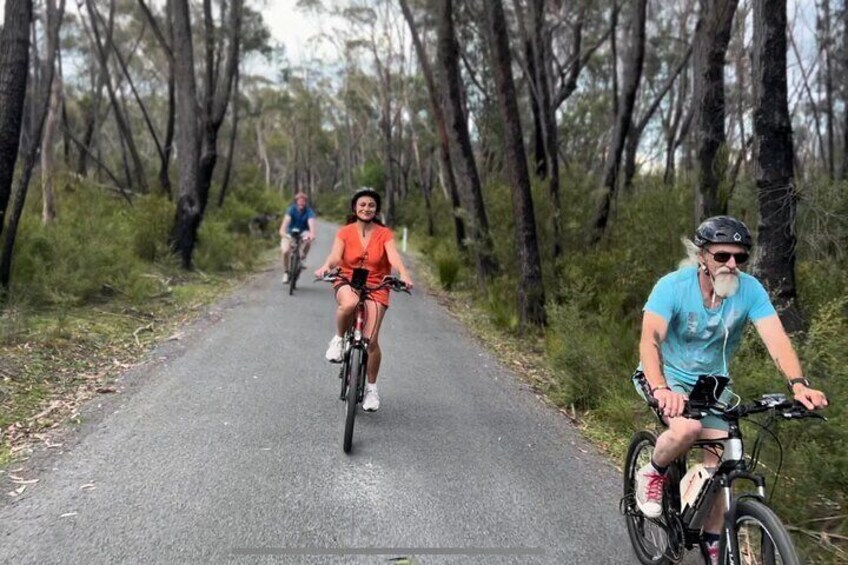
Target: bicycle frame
x,y
732,467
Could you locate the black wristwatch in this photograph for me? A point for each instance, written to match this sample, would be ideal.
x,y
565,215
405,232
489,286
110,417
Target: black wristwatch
x,y
792,382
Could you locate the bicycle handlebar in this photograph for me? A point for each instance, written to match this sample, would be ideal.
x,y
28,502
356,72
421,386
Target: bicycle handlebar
x,y
389,281
788,409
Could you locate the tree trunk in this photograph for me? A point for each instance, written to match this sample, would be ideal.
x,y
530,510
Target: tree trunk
x,y
633,75
40,95
542,54
844,172
530,292
168,142
188,212
827,70
217,89
439,118
462,153
48,151
711,41
14,72
263,152
776,194
614,58
228,167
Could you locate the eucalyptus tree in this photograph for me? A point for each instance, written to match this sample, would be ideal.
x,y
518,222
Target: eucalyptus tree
x,y
189,212
438,116
530,294
711,41
14,72
624,115
462,152
40,94
776,195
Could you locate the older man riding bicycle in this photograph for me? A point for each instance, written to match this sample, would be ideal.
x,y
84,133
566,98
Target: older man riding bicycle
x,y
693,322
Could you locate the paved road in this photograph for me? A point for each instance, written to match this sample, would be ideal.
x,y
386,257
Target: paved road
x,y
226,448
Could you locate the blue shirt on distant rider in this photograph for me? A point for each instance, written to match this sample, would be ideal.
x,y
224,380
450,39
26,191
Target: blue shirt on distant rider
x,y
299,220
700,340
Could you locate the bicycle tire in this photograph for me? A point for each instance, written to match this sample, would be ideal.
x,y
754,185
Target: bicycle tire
x,y
775,543
343,373
649,552
356,372
294,269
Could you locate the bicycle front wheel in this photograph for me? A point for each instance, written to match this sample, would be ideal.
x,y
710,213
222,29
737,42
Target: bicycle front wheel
x,y
356,372
294,269
761,537
650,538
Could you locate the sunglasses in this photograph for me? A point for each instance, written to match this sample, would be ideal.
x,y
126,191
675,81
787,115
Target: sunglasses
x,y
724,256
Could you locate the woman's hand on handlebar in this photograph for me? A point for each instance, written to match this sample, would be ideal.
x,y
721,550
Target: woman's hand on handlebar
x,y
324,271
406,281
669,402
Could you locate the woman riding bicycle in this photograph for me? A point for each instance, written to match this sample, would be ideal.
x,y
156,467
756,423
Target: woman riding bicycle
x,y
364,243
693,322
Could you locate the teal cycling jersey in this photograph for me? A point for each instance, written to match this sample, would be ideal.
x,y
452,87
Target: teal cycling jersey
x,y
701,340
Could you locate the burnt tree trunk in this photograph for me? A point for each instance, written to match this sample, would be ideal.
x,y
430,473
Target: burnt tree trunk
x,y
711,41
530,292
776,194
14,72
40,100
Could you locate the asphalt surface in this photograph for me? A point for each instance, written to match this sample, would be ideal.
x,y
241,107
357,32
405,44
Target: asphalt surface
x,y
225,447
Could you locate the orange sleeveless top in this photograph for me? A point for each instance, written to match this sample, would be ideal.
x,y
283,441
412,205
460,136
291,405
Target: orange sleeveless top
x,y
372,257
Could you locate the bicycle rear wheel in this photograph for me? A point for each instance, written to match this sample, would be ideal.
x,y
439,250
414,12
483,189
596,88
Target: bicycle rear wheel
x,y
761,537
356,372
650,538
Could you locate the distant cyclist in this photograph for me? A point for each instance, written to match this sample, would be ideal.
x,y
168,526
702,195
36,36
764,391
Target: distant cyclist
x,y
363,243
693,322
300,217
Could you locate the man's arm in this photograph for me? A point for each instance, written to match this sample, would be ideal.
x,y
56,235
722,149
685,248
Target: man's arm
x,y
654,331
311,223
780,348
284,227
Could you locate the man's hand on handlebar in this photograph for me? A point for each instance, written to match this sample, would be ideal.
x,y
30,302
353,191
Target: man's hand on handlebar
x,y
809,397
669,402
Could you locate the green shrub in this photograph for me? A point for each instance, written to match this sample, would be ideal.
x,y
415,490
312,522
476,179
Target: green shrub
x,y
448,266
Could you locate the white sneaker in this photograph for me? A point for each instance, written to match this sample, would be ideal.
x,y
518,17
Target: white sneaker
x,y
286,277
334,350
649,491
371,402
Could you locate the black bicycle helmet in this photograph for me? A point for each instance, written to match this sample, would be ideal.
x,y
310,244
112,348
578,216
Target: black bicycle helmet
x,y
365,192
723,229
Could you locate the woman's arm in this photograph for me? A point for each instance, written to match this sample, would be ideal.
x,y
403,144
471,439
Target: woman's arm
x,y
333,259
397,262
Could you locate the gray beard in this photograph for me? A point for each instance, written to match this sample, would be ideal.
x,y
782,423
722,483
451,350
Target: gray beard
x,y
725,285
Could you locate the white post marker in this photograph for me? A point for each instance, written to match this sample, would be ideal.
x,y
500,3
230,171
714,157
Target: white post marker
x,y
405,237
